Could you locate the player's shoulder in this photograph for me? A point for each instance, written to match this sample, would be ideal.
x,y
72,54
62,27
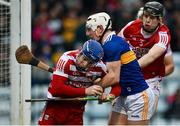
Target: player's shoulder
x,y
133,25
119,41
135,22
67,60
163,28
70,55
115,46
163,31
115,42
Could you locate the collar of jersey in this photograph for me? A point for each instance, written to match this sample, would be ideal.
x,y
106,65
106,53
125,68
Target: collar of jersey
x,y
108,38
148,35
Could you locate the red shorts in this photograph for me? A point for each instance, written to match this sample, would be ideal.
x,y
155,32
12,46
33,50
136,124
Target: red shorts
x,y
66,113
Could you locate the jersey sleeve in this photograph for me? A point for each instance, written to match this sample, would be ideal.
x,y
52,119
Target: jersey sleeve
x,y
114,50
115,90
58,87
163,40
102,67
125,30
62,66
121,52
169,51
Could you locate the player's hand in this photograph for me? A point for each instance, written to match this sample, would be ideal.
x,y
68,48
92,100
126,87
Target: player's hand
x,y
94,90
97,81
105,97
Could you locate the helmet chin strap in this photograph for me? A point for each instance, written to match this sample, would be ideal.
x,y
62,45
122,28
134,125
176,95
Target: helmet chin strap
x,y
100,39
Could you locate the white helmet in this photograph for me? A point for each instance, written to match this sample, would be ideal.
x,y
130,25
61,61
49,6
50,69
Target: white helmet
x,y
98,19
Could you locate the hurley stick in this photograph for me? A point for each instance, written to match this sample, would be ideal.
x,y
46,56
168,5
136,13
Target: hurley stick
x,y
24,56
66,99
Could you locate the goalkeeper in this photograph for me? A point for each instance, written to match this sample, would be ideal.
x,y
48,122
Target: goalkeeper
x,y
74,75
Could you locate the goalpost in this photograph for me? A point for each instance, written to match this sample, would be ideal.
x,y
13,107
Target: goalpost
x,y
15,79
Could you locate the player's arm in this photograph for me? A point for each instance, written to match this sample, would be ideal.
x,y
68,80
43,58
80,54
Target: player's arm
x,y
59,88
114,92
169,65
59,85
169,62
112,76
115,89
155,52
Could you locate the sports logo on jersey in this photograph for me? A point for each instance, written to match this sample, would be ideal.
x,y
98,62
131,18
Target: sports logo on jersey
x,y
129,89
46,117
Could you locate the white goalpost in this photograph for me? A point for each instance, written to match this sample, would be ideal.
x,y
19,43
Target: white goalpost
x,y
21,74
15,79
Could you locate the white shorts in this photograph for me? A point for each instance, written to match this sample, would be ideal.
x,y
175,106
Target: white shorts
x,y
140,106
154,84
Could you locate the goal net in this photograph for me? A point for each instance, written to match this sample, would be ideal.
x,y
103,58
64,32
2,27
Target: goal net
x,y
4,62
15,79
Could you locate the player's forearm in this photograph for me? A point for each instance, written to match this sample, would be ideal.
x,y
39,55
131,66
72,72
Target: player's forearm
x,y
112,77
67,91
109,80
151,56
169,64
58,88
169,69
146,60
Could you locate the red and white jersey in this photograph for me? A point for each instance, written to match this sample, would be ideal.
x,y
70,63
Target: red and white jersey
x,y
141,44
68,81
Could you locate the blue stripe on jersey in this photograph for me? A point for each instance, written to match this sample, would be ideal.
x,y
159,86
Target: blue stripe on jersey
x,y
131,78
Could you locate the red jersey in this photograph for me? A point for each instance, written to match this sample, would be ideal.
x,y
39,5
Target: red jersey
x,y
141,44
68,81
